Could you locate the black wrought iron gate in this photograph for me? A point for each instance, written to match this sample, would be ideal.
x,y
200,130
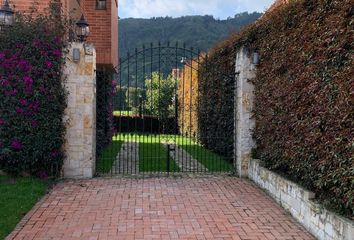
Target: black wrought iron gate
x,y
161,119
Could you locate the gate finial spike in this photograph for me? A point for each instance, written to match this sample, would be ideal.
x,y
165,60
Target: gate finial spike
x,y
176,43
151,44
168,43
184,45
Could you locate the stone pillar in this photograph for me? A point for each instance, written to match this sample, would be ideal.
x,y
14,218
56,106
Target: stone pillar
x,y
244,123
80,115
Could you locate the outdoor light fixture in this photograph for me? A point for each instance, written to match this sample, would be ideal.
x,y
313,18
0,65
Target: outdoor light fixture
x,y
82,29
255,58
101,4
6,15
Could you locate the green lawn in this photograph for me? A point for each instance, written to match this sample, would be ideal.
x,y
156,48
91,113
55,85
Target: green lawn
x,y
123,113
210,160
105,162
16,199
154,154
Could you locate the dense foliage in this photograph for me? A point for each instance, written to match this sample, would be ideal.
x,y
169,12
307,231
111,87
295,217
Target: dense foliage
x,y
105,92
205,106
188,94
32,97
201,32
160,92
304,94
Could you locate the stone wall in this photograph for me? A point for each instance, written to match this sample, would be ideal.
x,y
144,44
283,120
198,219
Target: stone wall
x,y
81,113
245,71
322,223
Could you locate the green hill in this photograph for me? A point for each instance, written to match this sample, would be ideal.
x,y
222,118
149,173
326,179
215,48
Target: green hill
x,y
199,32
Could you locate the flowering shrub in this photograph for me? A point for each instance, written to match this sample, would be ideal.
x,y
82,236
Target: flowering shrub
x,y
32,97
304,95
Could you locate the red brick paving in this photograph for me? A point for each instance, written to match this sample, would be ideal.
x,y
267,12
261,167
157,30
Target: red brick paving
x,y
158,208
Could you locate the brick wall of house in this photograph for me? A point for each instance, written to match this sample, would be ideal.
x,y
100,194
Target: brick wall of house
x,y
103,24
104,31
25,6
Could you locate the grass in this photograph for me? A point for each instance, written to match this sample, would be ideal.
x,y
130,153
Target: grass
x,y
109,155
210,160
16,199
153,158
123,113
152,153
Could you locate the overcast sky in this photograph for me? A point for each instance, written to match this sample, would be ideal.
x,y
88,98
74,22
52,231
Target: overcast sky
x,y
176,8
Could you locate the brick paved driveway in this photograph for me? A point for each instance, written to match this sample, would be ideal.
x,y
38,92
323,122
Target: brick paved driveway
x,y
165,208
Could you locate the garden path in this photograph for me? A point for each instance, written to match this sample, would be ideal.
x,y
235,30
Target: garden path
x,y
184,160
127,158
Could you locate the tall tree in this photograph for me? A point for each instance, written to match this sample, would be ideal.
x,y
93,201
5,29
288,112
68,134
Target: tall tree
x,y
160,93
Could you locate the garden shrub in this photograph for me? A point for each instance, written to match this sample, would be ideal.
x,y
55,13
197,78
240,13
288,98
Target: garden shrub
x,y
304,94
106,88
216,105
32,96
188,94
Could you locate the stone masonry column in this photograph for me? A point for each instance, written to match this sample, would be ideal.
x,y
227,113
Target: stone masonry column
x,y
244,123
80,115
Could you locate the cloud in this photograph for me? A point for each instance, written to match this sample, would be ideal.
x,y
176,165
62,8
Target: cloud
x,y
176,8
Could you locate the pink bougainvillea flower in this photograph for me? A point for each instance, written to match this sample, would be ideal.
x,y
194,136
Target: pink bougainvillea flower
x,y
48,64
42,174
37,43
28,80
24,65
34,106
23,102
57,40
34,124
57,53
2,122
19,110
16,144
4,82
2,56
54,153
11,93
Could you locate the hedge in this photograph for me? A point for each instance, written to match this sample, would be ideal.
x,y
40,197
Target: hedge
x,y
106,90
304,94
145,124
32,96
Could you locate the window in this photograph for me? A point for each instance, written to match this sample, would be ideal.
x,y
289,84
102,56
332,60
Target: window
x,y
101,4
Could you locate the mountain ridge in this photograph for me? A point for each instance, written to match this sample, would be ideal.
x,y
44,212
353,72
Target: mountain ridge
x,y
199,32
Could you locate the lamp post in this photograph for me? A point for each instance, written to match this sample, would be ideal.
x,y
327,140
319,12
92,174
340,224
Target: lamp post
x,y
6,15
82,29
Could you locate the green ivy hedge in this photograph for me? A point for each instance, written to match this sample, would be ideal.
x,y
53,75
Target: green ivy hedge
x,y
304,95
106,88
32,97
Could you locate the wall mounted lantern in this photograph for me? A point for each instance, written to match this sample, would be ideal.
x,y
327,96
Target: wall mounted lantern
x,y
6,15
255,59
82,29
